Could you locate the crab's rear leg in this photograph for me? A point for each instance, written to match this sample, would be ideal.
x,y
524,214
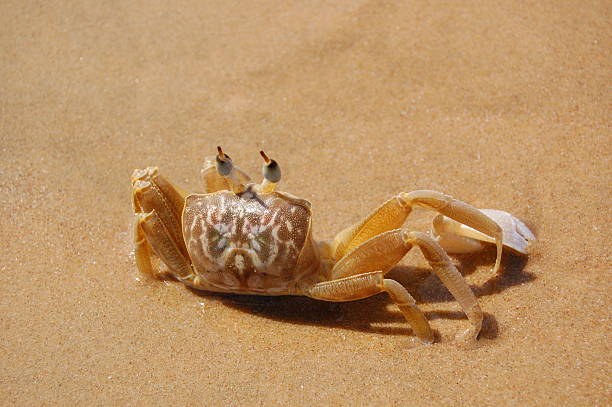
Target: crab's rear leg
x,y
367,284
385,250
393,213
158,206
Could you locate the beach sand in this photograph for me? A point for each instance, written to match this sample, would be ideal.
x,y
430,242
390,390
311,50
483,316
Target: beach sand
x,y
504,105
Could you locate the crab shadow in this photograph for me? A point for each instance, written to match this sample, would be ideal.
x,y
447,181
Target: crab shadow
x,y
426,288
373,314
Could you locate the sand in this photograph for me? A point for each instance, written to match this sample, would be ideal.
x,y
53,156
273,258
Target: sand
x,y
505,105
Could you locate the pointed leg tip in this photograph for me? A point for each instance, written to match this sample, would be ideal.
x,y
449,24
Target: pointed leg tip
x,y
468,338
428,341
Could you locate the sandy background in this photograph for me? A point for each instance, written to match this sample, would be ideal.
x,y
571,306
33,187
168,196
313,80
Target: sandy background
x,y
504,105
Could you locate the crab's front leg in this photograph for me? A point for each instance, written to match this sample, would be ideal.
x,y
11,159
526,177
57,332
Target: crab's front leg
x,y
158,206
392,214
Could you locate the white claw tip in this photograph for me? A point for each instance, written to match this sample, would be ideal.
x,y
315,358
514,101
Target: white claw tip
x,y
455,237
517,235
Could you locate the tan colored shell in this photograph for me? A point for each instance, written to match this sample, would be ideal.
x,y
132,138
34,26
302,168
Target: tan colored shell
x,y
249,243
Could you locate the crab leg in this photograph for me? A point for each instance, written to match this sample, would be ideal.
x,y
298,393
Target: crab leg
x,y
459,211
151,191
151,230
385,250
388,216
158,205
368,284
393,213
142,249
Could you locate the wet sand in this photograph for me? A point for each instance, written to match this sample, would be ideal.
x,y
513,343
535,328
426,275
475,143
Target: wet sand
x,y
502,105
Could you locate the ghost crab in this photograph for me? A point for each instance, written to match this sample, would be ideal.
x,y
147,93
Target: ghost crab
x,y
247,238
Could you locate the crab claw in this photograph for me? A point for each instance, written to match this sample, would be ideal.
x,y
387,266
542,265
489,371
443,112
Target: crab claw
x,y
456,237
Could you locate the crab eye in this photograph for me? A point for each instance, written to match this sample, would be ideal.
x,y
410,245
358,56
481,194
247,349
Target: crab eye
x,y
271,169
224,163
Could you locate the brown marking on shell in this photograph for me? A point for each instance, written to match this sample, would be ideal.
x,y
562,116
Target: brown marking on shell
x,y
246,244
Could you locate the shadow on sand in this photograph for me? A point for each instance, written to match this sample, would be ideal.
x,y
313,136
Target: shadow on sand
x,y
371,314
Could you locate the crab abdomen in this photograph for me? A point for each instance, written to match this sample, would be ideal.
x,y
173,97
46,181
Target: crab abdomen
x,y
247,244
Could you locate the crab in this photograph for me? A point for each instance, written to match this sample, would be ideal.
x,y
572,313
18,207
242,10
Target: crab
x,y
247,238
